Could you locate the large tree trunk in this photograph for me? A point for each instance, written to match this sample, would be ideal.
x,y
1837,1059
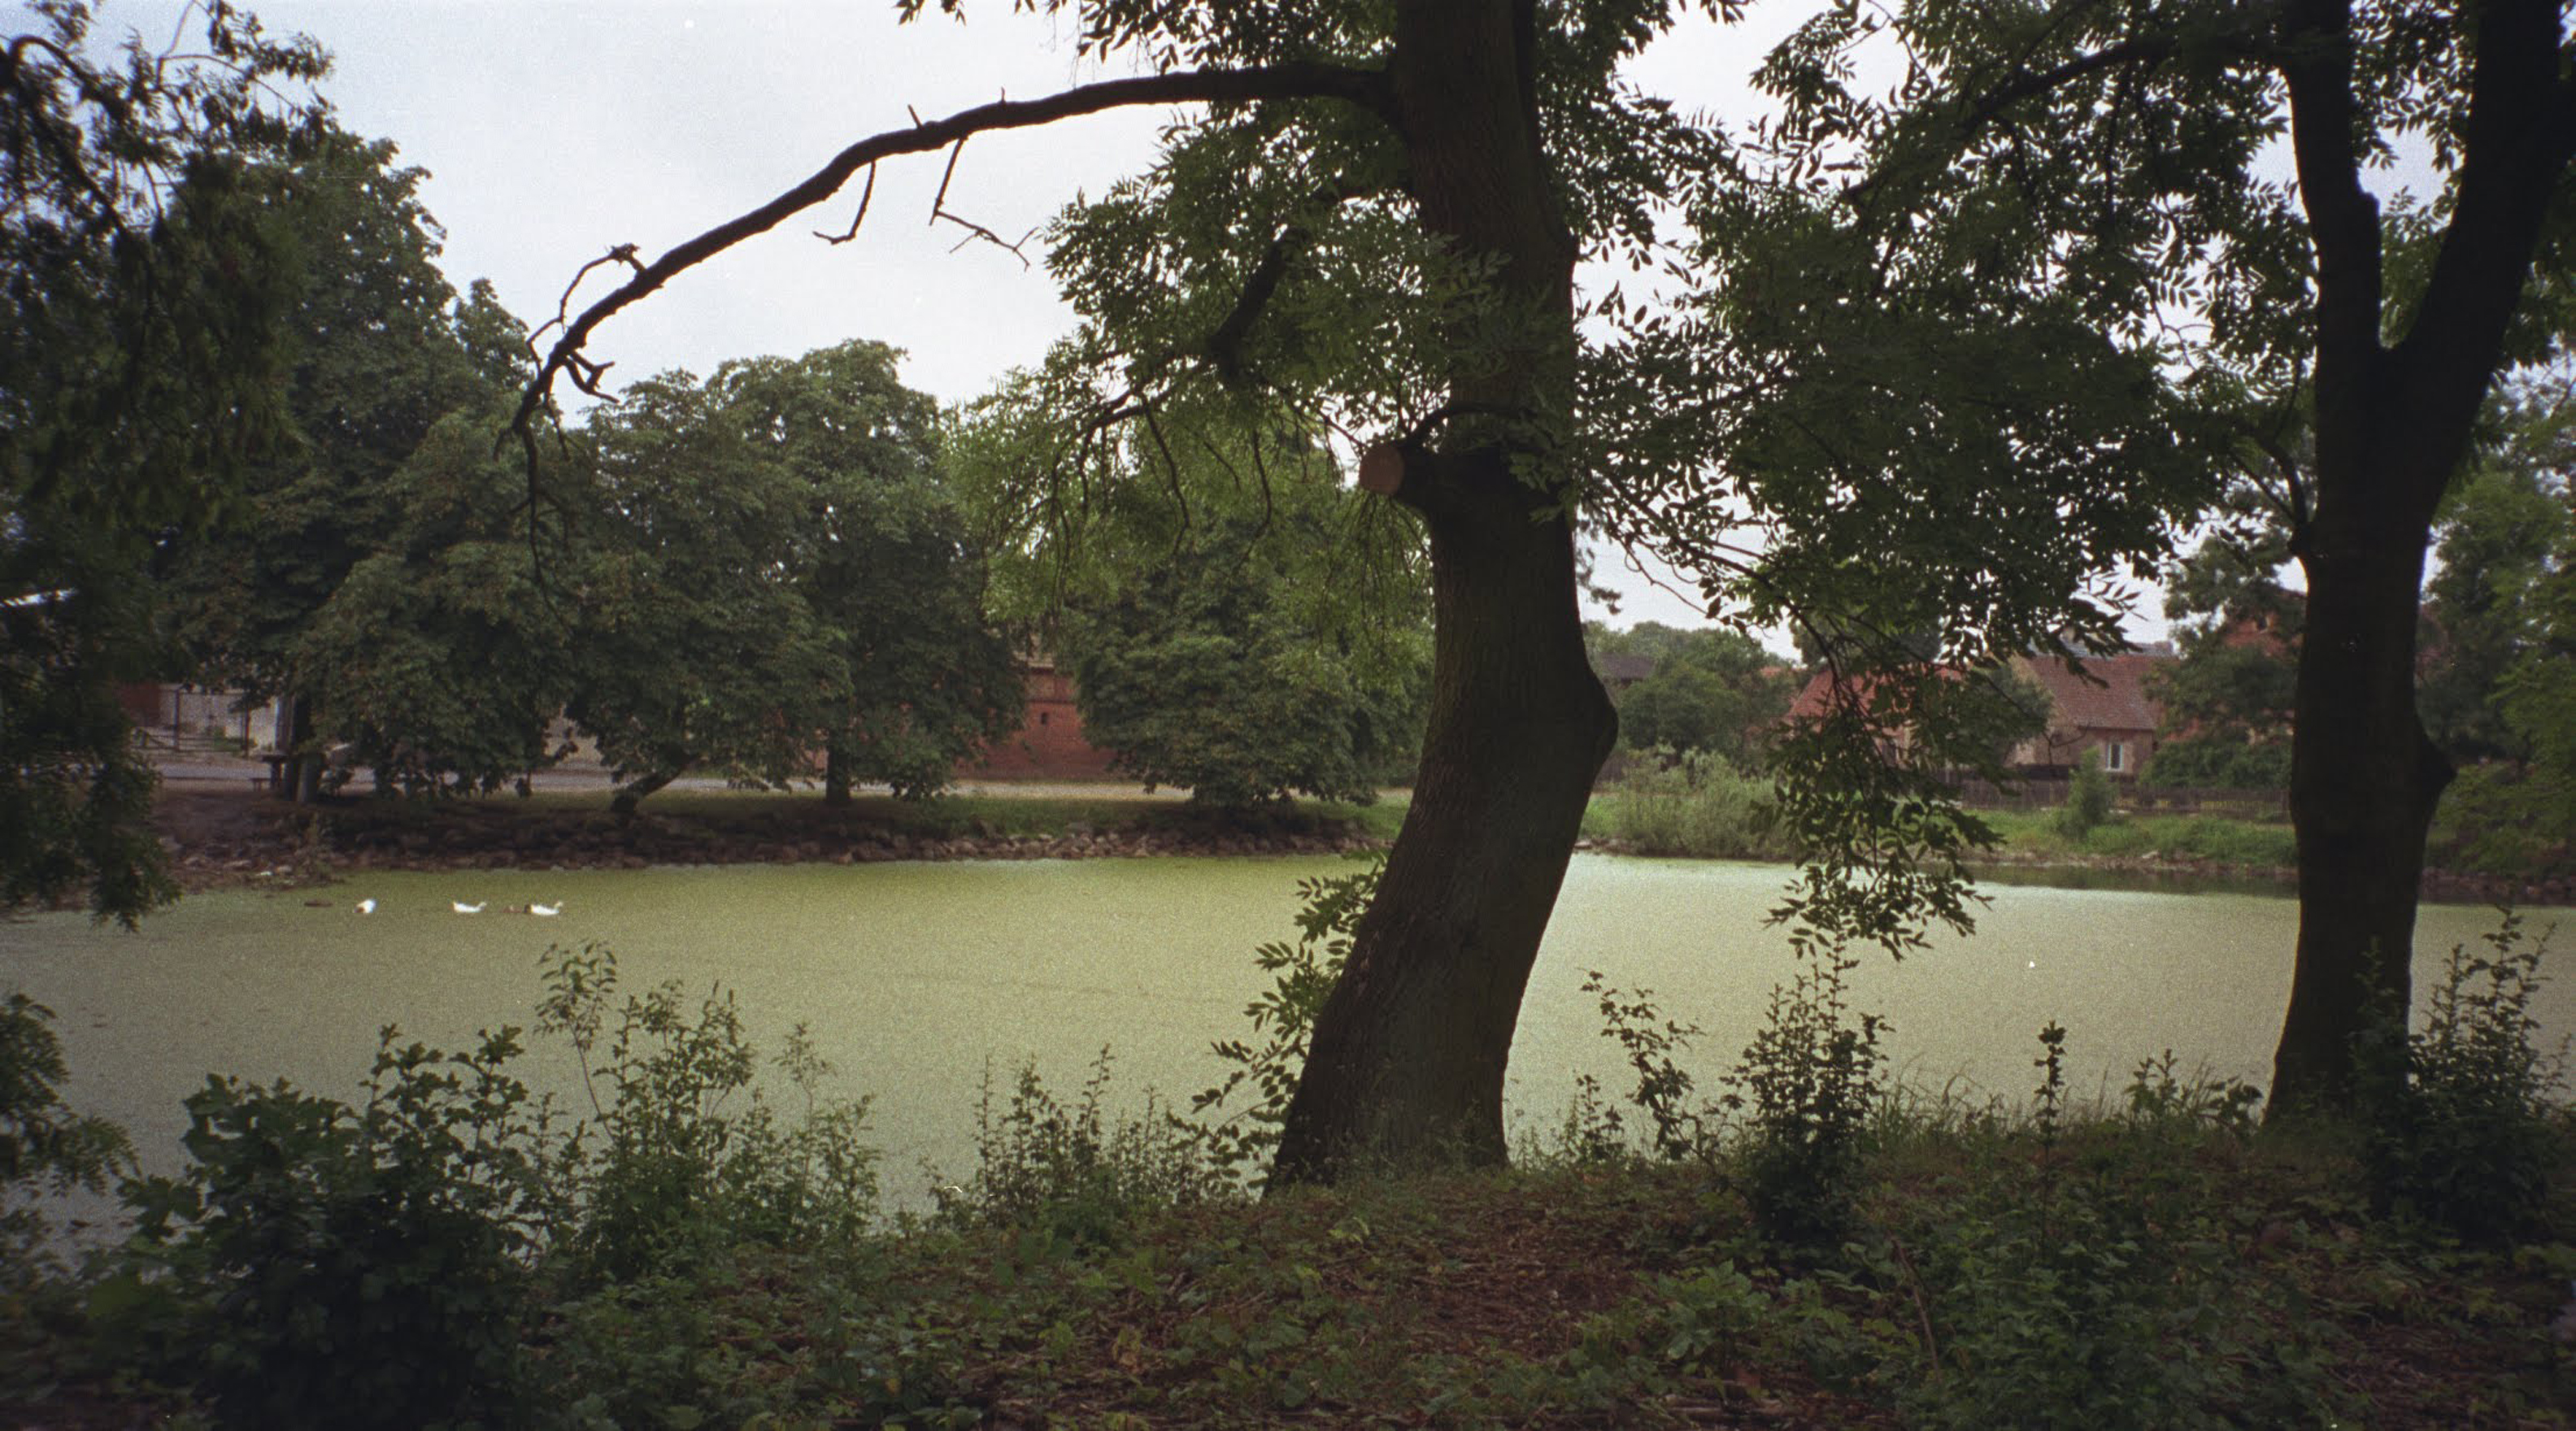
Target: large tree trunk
x,y
2392,424
1408,1055
2364,780
1406,1066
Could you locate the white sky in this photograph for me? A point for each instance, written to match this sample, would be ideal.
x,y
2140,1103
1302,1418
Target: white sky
x,y
553,130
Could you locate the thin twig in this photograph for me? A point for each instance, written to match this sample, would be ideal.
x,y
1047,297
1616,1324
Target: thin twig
x,y
858,218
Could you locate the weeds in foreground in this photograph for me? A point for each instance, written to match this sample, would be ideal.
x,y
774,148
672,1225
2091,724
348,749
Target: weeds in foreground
x,y
1069,1170
2471,1127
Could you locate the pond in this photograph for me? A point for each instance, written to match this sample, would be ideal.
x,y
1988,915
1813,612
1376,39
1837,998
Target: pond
x,y
919,978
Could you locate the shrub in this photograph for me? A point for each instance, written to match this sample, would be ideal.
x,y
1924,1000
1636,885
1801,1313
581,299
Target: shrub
x,y
1695,803
2088,799
1807,1086
2097,1278
1068,1171
664,1172
1283,1017
2462,1128
45,1149
1652,1042
328,1267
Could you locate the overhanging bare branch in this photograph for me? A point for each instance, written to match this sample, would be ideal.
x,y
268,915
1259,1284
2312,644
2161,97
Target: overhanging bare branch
x,y
1369,89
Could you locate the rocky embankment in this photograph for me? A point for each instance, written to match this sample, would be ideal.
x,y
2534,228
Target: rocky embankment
x,y
221,839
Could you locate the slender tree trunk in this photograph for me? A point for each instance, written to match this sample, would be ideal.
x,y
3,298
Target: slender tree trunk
x,y
836,773
300,779
632,793
1406,1065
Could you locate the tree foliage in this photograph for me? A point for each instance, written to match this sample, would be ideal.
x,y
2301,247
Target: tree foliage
x,y
440,658
2498,537
1235,620
1233,667
2100,176
141,276
771,570
922,679
2227,702
1711,689
381,348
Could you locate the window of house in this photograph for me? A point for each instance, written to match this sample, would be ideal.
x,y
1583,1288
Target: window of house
x,y
2115,756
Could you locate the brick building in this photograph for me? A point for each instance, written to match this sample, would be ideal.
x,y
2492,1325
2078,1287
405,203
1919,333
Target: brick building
x,y
1049,743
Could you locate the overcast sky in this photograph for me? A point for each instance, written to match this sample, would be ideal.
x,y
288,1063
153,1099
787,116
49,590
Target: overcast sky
x,y
553,130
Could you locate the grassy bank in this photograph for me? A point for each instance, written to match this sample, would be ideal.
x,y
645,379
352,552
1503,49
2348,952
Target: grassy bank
x,y
2196,839
1723,816
1028,812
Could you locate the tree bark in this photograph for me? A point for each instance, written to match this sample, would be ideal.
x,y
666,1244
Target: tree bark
x,y
2364,781
299,780
632,793
2392,425
1408,1054
1407,1061
836,773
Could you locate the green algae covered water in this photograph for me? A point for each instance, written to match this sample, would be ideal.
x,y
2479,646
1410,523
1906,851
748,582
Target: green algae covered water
x,y
917,979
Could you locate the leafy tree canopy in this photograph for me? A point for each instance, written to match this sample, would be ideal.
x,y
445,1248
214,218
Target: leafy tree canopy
x,y
141,279
1710,689
380,347
1237,622
771,570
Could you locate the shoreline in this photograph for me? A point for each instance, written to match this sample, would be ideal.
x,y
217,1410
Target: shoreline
x,y
219,838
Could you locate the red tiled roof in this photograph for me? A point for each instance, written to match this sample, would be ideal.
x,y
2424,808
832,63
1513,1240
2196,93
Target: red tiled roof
x,y
2114,699
1813,698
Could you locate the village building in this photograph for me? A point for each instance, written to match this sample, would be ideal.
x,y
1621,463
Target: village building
x,y
1049,744
2102,705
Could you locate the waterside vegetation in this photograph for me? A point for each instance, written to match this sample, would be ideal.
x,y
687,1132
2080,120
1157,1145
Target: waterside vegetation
x,y
1697,807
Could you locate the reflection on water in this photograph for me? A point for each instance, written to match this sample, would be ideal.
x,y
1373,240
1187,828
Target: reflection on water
x,y
917,978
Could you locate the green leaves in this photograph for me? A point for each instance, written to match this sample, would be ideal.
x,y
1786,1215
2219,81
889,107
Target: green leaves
x,y
774,570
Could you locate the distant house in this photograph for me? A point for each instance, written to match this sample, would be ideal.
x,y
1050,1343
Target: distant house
x,y
2106,708
1049,744
1816,699
1618,673
2103,705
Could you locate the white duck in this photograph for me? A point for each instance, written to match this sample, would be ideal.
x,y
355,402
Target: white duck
x,y
462,907
545,911
367,906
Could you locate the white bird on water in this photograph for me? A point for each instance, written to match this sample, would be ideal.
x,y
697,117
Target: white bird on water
x,y
462,907
366,906
545,911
